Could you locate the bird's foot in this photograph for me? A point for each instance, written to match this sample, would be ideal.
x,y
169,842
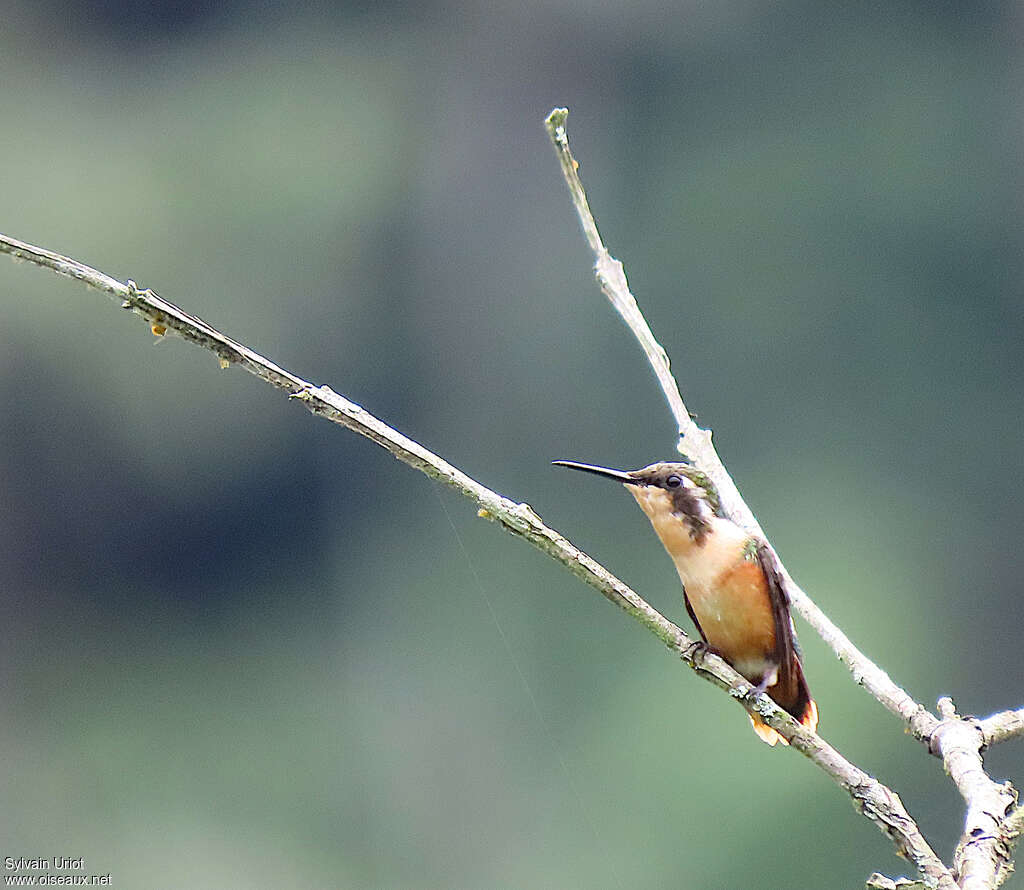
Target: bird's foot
x,y
696,652
770,678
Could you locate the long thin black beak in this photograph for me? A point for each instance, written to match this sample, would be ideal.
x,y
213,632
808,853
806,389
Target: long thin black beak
x,y
617,475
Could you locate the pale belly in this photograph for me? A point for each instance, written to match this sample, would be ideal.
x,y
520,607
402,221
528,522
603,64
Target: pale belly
x,y
729,598
726,590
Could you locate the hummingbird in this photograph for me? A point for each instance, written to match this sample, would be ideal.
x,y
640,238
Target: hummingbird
x,y
732,588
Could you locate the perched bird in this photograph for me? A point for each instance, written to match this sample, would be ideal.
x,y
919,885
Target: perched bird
x,y
731,583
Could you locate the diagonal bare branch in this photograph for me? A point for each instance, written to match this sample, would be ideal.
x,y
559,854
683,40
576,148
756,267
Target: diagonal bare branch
x,y
1002,726
872,798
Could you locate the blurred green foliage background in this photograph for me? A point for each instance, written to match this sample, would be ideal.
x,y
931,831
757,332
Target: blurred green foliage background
x,y
244,648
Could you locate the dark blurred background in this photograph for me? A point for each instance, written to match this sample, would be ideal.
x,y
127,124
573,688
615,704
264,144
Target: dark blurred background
x,y
244,647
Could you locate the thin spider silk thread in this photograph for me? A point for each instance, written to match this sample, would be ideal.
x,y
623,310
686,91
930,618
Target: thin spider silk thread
x,y
526,685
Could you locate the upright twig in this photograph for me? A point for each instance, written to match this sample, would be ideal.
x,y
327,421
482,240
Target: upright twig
x,y
696,444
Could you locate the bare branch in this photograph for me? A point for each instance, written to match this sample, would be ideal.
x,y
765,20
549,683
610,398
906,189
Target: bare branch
x,y
983,857
881,882
1013,828
873,799
696,444
612,278
883,807
1002,726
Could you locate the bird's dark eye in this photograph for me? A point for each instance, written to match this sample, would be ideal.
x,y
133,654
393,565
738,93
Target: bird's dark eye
x,y
673,481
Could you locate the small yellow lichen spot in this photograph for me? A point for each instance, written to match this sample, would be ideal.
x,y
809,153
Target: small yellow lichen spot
x,y
224,364
158,329
483,514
